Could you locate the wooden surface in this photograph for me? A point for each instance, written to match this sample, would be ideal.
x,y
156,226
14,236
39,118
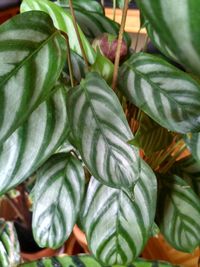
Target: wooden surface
x,y
132,21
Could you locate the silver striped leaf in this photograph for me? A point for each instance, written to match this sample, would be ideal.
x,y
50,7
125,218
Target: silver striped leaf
x,y
32,57
169,96
193,143
35,141
177,25
57,195
63,21
88,5
116,226
189,169
101,132
88,261
9,245
179,214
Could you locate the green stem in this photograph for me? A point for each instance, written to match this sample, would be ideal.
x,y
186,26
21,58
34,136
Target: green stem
x,y
114,9
77,33
137,39
119,44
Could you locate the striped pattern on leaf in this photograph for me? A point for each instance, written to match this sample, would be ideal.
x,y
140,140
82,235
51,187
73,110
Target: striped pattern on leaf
x,y
94,24
9,245
169,96
60,181
189,169
167,17
150,136
101,132
88,5
63,21
88,261
193,143
32,56
117,227
179,214
35,141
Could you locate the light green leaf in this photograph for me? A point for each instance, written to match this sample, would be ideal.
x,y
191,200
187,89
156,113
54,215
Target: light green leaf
x,y
9,245
88,261
32,57
87,5
63,21
179,214
150,136
35,141
189,169
169,96
116,226
101,132
167,18
60,181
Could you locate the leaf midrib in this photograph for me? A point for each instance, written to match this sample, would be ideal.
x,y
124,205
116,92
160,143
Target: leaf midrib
x,y
23,62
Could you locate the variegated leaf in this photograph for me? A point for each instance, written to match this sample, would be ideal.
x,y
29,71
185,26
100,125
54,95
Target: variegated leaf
x,y
60,181
101,133
189,169
117,227
193,143
167,18
35,141
9,245
63,21
88,5
150,136
88,261
179,214
169,96
94,24
32,56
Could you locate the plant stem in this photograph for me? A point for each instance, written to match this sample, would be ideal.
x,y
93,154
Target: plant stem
x,y
69,59
137,39
119,43
15,207
78,34
114,9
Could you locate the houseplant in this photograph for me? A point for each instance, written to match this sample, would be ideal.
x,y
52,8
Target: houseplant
x,y
45,104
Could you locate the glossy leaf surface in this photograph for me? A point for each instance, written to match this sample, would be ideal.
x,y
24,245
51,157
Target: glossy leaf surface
x,y
35,141
167,17
88,261
117,226
169,96
60,181
9,245
32,56
63,21
179,214
101,133
150,136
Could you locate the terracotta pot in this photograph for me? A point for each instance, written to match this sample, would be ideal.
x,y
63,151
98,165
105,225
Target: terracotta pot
x,y
47,252
81,239
158,249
